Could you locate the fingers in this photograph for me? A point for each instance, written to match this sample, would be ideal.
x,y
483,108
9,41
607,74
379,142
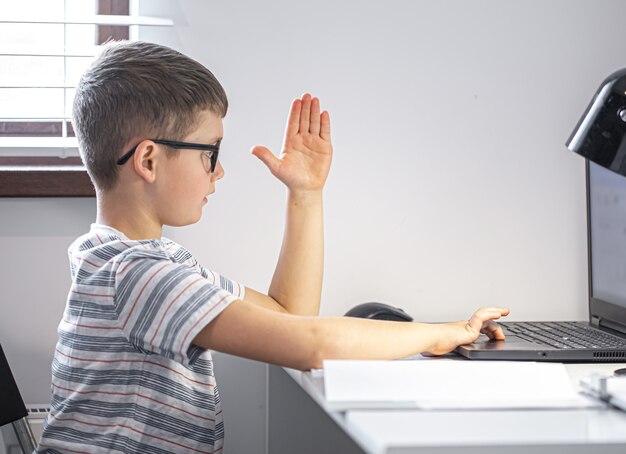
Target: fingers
x,y
492,312
484,315
325,126
305,114
493,330
293,122
305,117
314,126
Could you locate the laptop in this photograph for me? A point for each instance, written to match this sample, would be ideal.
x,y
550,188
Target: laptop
x,y
603,337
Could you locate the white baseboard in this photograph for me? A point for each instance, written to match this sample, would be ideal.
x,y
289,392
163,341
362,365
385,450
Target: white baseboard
x,y
37,414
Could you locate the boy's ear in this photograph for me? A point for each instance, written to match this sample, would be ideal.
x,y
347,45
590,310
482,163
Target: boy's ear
x,y
144,160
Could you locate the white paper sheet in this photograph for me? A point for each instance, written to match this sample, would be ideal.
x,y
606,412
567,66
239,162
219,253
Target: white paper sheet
x,y
445,384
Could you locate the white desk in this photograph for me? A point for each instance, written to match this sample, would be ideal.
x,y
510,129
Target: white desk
x,y
301,421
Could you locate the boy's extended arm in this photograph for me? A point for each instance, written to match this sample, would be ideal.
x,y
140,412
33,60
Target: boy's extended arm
x,y
303,167
302,342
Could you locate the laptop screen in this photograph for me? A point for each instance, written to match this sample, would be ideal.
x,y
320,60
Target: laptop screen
x,y
607,238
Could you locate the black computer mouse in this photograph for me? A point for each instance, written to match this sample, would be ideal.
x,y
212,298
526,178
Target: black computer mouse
x,y
379,311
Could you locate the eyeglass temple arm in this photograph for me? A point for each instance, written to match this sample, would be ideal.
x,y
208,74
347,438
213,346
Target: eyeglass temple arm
x,y
193,146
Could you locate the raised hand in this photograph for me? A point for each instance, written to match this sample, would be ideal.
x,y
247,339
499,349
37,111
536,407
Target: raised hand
x,y
307,152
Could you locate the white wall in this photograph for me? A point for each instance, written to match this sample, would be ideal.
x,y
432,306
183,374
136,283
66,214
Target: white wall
x,y
35,279
450,189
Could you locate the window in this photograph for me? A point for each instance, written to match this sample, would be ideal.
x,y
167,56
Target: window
x,y
45,45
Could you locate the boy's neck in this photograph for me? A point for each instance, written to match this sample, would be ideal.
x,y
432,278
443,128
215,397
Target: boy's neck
x,y
135,222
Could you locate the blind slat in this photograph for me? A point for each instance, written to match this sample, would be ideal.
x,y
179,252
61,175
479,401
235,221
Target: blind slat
x,y
37,50
98,19
37,142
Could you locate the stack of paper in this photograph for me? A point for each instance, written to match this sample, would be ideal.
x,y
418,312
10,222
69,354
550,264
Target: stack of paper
x,y
448,384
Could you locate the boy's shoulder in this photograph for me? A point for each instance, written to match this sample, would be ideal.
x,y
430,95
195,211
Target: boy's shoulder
x,y
105,243
104,254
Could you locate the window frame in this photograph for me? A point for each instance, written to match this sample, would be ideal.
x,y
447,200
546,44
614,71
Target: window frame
x,y
22,176
43,179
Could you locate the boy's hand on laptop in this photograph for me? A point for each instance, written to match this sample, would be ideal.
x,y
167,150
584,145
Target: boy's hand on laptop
x,y
467,331
305,160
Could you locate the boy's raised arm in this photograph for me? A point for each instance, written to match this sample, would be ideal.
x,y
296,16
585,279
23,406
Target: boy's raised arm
x,y
303,167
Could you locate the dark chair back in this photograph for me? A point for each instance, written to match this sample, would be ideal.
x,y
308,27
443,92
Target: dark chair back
x,y
12,406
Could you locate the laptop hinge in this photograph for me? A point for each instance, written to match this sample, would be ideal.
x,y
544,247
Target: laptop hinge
x,y
595,321
613,325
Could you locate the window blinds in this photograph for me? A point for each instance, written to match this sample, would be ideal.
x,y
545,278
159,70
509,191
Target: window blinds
x,y
45,45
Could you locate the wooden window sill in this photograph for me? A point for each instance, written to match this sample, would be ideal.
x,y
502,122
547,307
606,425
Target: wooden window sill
x,y
45,181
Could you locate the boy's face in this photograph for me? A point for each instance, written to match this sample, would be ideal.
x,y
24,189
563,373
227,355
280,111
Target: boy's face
x,y
183,183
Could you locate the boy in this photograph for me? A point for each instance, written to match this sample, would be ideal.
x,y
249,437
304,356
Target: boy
x,y
132,370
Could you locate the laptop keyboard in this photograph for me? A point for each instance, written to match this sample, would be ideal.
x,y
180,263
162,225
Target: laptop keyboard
x,y
565,335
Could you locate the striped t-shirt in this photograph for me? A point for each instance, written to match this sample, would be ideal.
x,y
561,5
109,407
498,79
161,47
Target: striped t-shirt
x,y
125,375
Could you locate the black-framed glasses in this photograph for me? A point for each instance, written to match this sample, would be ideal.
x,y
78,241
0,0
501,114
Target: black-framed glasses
x,y
212,156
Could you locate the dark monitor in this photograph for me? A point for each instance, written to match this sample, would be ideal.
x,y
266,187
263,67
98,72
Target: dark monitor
x,y
606,206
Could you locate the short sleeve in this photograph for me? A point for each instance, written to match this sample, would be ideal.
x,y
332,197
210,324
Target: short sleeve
x,y
183,256
229,285
162,305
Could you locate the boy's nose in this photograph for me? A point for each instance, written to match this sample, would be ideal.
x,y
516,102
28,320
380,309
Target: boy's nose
x,y
219,172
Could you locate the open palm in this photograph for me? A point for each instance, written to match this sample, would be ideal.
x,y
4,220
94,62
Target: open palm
x,y
307,152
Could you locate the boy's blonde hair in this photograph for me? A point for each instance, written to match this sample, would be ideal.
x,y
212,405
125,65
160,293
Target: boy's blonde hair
x,y
138,90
